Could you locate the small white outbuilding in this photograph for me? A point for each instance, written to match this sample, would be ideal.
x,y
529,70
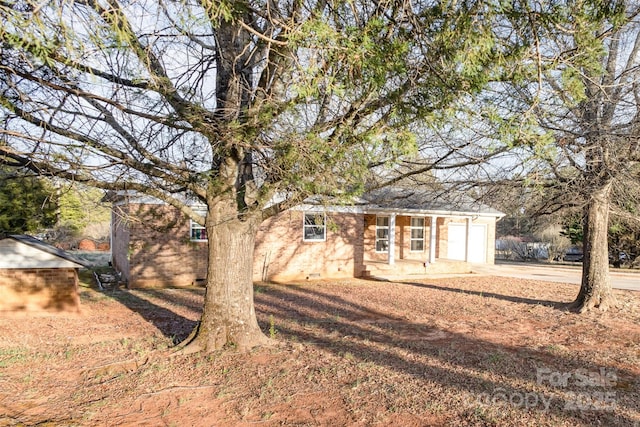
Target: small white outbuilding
x,y
36,276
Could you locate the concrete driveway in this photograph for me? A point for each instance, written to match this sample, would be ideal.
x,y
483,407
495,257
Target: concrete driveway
x,y
629,280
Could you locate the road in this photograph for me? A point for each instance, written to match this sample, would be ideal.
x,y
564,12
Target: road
x,y
629,280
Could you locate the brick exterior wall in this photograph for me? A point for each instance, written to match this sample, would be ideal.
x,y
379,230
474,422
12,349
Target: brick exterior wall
x,y
442,237
155,250
152,248
41,289
120,241
282,255
369,240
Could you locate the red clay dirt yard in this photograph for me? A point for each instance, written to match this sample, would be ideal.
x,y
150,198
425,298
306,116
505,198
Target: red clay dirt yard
x,y
465,351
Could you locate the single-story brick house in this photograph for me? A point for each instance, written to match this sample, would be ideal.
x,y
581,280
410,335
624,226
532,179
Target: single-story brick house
x,y
390,232
35,276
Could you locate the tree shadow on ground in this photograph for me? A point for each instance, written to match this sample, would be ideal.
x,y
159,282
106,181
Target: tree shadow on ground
x,y
481,371
427,353
520,300
178,297
168,322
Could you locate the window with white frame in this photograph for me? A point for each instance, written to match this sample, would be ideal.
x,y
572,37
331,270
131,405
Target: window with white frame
x,y
382,234
417,234
198,232
314,228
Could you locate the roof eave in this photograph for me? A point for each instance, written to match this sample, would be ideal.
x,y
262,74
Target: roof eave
x,y
433,212
45,247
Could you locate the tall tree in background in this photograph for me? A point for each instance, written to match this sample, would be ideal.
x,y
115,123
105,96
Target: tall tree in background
x,y
32,204
80,207
582,88
28,203
247,106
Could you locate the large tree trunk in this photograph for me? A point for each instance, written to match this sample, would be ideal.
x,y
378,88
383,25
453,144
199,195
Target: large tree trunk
x,y
595,290
229,318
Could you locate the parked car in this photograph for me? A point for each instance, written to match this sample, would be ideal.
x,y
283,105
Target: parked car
x,y
573,254
623,259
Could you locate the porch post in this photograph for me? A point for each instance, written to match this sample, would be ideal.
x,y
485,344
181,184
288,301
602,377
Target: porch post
x,y
432,239
467,240
392,239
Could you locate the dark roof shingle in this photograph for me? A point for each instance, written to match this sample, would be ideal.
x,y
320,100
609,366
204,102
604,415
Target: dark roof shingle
x,y
425,200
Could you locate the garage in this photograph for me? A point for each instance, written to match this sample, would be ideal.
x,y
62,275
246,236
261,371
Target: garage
x,y
459,233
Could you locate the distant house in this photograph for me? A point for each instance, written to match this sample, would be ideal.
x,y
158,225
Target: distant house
x,y
36,276
389,232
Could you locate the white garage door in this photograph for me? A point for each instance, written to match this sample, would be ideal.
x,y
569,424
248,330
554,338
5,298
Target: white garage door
x,y
477,242
456,245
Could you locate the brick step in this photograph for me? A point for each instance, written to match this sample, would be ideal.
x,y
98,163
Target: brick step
x,y
407,268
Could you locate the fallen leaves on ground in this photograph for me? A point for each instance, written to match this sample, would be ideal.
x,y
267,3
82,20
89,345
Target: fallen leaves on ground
x,y
464,351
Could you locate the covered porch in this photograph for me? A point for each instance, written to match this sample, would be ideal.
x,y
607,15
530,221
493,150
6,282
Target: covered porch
x,y
404,243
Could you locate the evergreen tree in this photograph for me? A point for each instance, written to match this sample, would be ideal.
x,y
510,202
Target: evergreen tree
x,y
577,104
239,104
28,203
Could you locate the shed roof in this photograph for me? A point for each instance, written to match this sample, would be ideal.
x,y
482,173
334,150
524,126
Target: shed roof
x,y
23,251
